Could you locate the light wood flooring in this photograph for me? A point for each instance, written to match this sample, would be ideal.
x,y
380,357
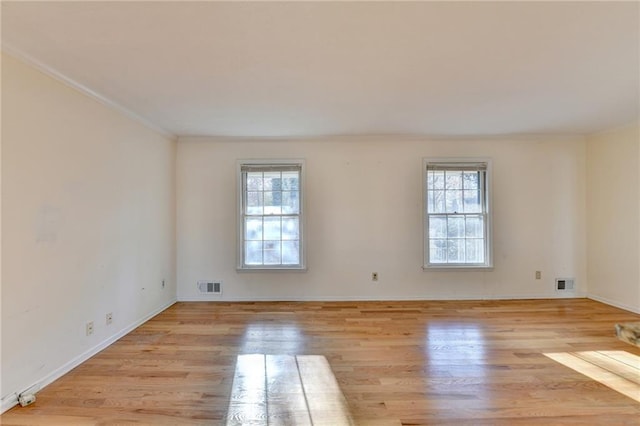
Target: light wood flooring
x,y
410,363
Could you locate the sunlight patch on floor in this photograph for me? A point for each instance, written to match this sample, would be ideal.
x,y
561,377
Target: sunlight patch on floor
x,y
286,389
618,370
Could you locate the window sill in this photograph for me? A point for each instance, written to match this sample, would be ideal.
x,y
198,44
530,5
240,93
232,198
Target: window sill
x,y
459,268
273,269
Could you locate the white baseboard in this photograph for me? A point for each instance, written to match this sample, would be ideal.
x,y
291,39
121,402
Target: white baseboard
x,y
626,307
11,400
376,299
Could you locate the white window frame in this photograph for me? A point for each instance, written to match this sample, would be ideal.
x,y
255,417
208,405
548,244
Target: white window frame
x,y
269,164
486,192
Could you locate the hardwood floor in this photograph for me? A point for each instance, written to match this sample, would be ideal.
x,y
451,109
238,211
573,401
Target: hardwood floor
x,y
410,363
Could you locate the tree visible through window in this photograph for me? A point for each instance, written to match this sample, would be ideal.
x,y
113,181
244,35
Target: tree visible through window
x,y
271,216
457,220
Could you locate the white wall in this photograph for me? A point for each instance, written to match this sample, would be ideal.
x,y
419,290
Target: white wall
x,y
364,206
88,220
613,204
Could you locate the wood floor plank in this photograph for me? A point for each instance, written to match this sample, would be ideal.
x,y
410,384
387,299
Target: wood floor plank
x,y
248,400
286,400
627,358
597,368
411,363
327,404
626,371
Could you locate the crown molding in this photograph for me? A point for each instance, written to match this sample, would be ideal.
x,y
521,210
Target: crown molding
x,y
69,82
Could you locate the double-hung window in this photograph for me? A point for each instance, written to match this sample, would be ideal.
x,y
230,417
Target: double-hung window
x,y
457,215
271,208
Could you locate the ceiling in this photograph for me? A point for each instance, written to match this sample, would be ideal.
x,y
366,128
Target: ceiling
x,y
296,69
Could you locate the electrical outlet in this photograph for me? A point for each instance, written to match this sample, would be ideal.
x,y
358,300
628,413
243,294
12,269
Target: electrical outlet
x,y
374,276
109,318
89,328
538,275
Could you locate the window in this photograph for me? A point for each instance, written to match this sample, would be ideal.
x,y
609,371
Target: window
x,y
457,219
271,222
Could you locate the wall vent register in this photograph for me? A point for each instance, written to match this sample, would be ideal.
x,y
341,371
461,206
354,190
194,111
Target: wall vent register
x,y
564,284
212,287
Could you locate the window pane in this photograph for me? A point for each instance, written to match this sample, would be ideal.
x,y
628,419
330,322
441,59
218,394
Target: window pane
x,y
455,227
471,180
453,180
454,201
272,228
472,201
290,228
254,203
474,227
438,251
254,181
436,201
271,252
475,250
272,202
253,253
435,180
290,202
272,181
271,214
437,226
253,228
290,252
290,181
455,251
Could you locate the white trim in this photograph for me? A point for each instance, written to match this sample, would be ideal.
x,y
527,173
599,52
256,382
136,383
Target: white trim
x,y
487,189
613,303
267,268
381,298
459,268
300,162
11,400
375,137
57,75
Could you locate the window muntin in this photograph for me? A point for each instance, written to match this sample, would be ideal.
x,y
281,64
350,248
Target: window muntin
x,y
271,216
457,220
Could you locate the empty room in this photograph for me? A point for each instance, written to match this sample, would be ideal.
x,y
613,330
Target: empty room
x,y
320,213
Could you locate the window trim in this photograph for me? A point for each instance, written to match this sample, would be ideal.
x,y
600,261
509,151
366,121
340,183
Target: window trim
x,y
240,266
488,237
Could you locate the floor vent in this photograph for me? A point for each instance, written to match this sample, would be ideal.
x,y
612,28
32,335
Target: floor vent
x,y
564,284
210,287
